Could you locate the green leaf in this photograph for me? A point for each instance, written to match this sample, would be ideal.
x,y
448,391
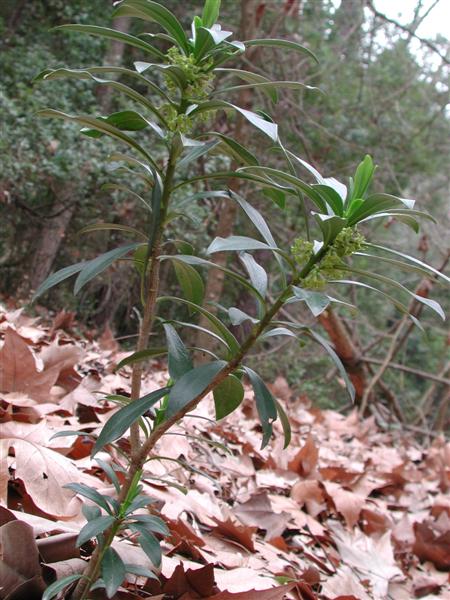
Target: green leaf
x,y
91,493
235,242
152,523
395,263
113,34
411,259
256,218
265,404
191,385
116,425
217,324
315,301
180,361
58,586
330,226
399,305
97,265
284,419
435,306
112,227
271,85
374,204
292,181
139,571
276,196
329,182
363,177
283,44
210,12
93,528
238,316
196,153
113,571
195,260
270,129
99,125
141,355
251,78
190,281
277,331
57,277
152,11
207,38
335,358
256,272
123,188
227,396
332,198
125,120
234,149
110,473
149,544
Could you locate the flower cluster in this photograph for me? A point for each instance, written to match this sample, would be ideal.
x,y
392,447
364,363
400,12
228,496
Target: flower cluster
x,y
199,81
176,122
302,251
348,241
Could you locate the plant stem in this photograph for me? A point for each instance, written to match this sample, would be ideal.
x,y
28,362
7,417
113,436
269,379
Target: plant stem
x,y
152,295
139,459
92,570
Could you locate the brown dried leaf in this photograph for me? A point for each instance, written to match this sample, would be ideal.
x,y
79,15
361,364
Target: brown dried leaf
x,y
18,372
20,571
432,546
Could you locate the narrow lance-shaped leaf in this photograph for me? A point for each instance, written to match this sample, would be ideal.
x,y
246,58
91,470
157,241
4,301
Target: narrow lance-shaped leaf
x,y
149,544
315,301
180,361
228,395
116,426
97,265
265,404
112,227
257,273
112,34
191,385
99,125
59,585
57,277
270,129
210,12
195,260
412,259
435,306
190,281
216,323
284,420
94,528
337,361
283,44
152,11
235,242
113,571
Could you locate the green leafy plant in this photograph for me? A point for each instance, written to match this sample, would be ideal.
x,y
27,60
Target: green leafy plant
x,y
177,108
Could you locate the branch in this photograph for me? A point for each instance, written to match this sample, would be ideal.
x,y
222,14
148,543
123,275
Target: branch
x,y
408,30
418,372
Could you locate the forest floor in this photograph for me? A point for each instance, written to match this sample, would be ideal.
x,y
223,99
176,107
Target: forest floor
x,y
347,511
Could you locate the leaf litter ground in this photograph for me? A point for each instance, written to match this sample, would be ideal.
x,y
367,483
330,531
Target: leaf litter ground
x,y
348,511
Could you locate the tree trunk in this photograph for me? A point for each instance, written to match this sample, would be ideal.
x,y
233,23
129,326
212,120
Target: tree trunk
x,y
50,238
